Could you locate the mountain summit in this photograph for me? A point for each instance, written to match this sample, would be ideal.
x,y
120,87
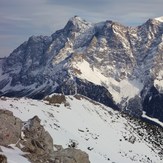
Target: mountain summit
x,y
160,19
116,65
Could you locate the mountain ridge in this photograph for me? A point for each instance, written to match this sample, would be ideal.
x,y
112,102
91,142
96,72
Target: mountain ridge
x,y
108,62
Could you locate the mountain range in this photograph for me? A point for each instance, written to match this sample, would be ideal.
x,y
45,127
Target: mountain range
x,y
98,86
118,66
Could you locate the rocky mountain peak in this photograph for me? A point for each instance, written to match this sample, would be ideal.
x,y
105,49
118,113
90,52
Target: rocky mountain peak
x,y
159,19
76,20
77,24
153,24
103,61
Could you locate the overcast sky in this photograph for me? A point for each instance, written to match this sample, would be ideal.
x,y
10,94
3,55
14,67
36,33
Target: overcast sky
x,y
19,19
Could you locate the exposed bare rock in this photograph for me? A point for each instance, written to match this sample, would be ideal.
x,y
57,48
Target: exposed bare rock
x,y
3,159
39,143
32,138
71,155
10,128
35,140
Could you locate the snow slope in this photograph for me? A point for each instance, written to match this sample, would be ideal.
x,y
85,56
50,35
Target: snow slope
x,y
116,88
14,154
104,134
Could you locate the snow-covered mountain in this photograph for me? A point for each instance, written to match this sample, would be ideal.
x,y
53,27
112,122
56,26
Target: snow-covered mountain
x,y
116,65
106,135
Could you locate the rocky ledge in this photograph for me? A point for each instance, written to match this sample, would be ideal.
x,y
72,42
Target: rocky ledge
x,y
36,143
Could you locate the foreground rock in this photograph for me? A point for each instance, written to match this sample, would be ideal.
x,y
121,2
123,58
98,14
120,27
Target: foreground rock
x,y
10,128
3,159
35,140
37,143
71,155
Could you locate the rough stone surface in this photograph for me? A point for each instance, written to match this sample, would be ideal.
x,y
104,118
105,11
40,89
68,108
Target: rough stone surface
x,y
31,137
40,144
71,155
10,128
35,139
3,159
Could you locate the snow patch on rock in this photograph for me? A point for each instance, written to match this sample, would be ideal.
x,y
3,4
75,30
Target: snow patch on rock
x,y
123,89
159,19
14,154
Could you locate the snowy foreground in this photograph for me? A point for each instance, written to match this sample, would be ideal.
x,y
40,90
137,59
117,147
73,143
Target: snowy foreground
x,y
104,134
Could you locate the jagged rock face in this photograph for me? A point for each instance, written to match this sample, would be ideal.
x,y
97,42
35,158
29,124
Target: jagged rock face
x,y
35,139
10,128
124,62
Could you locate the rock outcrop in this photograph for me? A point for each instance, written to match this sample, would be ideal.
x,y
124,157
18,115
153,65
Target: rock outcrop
x,y
35,140
3,159
71,155
10,128
32,139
